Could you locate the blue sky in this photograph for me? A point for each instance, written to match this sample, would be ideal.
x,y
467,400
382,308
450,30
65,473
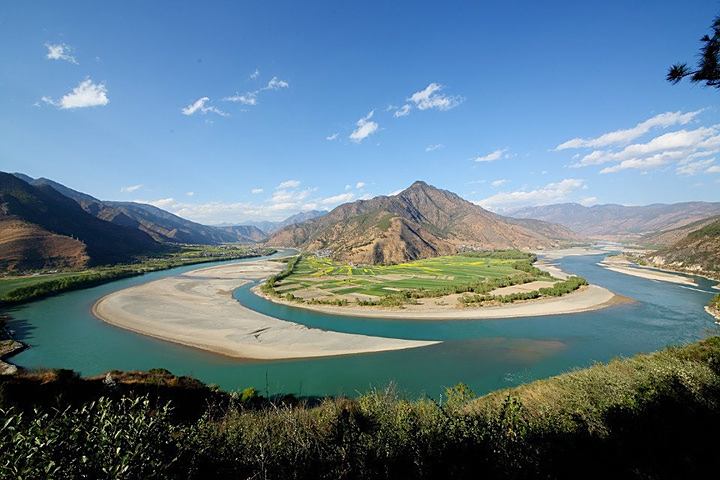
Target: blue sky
x,y
228,111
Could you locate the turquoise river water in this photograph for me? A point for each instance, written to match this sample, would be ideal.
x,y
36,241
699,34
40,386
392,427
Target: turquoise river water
x,y
485,354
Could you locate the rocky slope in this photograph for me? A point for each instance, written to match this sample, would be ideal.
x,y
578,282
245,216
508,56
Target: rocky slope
x,y
698,251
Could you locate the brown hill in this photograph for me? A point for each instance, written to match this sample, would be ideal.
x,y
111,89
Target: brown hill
x,y
698,251
666,238
42,228
421,221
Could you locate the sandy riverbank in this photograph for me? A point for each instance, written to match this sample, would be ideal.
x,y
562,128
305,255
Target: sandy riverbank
x,y
621,264
197,309
714,313
591,297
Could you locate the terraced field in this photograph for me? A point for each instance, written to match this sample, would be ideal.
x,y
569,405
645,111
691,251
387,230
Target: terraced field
x,y
315,277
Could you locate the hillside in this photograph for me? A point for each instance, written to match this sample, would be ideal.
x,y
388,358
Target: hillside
x,y
41,228
666,238
420,222
620,220
698,251
161,225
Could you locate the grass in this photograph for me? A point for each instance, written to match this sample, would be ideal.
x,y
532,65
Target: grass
x,y
651,416
386,284
18,289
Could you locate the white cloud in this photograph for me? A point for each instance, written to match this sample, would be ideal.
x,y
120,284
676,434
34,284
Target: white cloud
x,y
332,137
255,191
201,105
616,137
60,51
365,128
498,183
695,167
337,199
396,192
402,111
245,99
161,203
251,98
360,185
190,194
430,98
682,146
432,148
644,164
255,74
713,169
86,94
550,193
288,184
492,156
131,188
276,84
588,201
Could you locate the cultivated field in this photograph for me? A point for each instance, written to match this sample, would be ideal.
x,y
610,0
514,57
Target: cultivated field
x,y
322,278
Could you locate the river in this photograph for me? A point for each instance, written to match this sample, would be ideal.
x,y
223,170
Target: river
x,y
485,354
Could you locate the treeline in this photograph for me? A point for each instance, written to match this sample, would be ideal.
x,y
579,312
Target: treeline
x,y
90,278
650,416
269,285
560,288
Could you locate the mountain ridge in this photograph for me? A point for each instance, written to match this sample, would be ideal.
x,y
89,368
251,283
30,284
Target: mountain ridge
x,y
419,222
621,220
41,228
160,224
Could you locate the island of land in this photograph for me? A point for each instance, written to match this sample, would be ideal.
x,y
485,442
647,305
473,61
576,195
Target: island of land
x,y
471,285
197,309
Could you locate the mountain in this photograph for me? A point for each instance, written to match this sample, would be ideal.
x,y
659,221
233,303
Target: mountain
x,y
244,233
698,251
666,238
620,220
270,227
161,225
42,228
421,221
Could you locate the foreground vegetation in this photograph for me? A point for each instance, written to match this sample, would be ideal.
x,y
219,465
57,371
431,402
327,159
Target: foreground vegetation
x,y
18,289
312,280
647,417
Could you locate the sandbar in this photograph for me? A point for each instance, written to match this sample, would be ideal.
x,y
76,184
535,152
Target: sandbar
x,y
197,309
623,265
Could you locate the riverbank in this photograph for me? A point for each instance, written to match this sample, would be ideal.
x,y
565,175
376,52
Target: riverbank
x,y
8,348
621,264
197,309
26,288
585,299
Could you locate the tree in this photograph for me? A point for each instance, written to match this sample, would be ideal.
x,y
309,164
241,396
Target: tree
x,y
708,68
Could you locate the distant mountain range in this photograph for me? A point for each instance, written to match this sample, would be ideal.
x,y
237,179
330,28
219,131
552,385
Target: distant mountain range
x,y
619,220
421,221
42,228
161,225
270,227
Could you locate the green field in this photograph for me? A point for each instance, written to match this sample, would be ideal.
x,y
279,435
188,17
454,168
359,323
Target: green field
x,y
315,278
